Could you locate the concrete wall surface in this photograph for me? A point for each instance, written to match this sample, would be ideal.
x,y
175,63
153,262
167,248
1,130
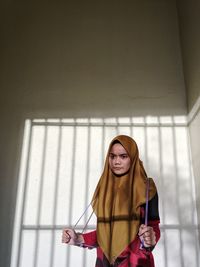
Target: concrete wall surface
x,y
189,23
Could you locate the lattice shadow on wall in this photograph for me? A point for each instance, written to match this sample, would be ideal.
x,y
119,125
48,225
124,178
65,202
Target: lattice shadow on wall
x,y
61,163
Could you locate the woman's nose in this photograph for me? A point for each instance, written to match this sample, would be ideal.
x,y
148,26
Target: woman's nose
x,y
117,160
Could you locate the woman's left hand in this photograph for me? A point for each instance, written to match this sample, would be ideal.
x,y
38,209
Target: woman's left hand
x,y
147,235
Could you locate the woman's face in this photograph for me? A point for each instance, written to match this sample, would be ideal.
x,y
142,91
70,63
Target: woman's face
x,y
119,160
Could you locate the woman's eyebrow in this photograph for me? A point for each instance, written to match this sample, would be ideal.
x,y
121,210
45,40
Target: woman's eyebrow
x,y
122,154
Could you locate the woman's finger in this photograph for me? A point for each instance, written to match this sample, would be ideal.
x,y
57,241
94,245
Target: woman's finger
x,y
68,237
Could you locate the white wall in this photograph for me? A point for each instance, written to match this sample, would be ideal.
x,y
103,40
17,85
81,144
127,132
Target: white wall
x,y
189,22
194,129
73,58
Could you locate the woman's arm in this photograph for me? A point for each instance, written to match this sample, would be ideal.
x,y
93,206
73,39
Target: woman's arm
x,y
87,240
150,234
90,239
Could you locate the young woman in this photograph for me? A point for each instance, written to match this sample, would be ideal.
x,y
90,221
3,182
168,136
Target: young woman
x,y
123,237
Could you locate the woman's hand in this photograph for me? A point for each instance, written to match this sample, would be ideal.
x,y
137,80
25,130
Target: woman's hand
x,y
147,236
69,236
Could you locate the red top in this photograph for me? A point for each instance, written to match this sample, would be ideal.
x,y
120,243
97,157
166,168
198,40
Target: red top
x,y
133,255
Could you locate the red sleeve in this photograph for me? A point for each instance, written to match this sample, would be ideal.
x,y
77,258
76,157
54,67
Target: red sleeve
x,y
90,239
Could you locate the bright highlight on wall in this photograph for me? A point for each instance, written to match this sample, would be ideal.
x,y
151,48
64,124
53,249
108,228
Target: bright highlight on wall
x,y
61,163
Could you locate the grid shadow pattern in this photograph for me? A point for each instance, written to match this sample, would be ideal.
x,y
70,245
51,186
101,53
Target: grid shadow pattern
x,y
61,163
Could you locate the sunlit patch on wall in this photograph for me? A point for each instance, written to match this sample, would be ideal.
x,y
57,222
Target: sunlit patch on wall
x,y
61,163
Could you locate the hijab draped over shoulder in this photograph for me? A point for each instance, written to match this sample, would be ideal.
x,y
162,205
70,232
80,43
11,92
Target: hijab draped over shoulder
x,y
117,200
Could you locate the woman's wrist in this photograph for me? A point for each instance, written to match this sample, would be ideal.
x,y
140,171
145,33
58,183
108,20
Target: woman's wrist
x,y
79,239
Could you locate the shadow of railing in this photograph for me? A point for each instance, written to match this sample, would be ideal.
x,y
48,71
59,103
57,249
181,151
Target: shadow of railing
x,y
63,158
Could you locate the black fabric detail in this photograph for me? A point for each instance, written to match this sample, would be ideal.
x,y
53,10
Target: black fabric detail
x,y
119,218
102,262
153,212
106,263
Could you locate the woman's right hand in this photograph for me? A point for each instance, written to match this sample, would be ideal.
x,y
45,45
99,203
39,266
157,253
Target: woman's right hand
x,y
69,236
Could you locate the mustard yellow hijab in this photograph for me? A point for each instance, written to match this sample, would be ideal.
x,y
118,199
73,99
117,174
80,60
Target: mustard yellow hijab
x,y
117,200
